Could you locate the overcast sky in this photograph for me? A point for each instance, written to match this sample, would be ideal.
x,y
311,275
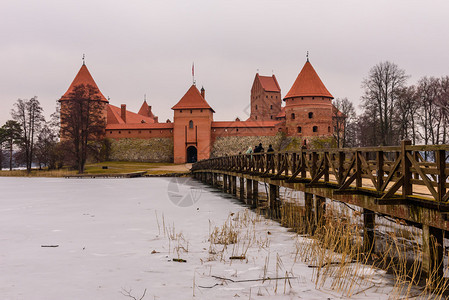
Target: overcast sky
x,y
138,47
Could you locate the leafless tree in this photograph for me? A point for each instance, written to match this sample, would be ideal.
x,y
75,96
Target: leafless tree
x,y
343,116
82,120
382,88
406,114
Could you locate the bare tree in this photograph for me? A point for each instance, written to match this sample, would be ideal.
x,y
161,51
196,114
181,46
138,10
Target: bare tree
x,y
12,134
343,116
82,120
406,114
382,88
28,113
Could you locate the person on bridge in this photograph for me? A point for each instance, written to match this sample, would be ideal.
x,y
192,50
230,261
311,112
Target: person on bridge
x,y
250,150
270,148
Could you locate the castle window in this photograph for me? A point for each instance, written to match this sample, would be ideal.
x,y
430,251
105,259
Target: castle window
x,y
276,97
201,110
256,106
129,132
315,128
271,97
271,106
271,117
328,129
313,98
180,111
150,131
256,117
110,132
310,115
293,116
266,96
119,132
191,124
190,111
299,129
302,98
237,129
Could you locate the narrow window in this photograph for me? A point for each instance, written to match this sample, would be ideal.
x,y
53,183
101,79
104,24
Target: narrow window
x,y
129,132
310,115
191,124
271,106
190,111
237,129
256,117
315,128
328,129
271,117
266,96
201,110
299,129
110,132
293,116
119,132
180,111
302,98
313,98
256,106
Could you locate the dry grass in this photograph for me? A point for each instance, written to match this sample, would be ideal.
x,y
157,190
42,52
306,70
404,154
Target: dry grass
x,y
113,167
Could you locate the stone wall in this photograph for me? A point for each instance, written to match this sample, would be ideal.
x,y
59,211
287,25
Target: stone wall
x,y
142,150
231,145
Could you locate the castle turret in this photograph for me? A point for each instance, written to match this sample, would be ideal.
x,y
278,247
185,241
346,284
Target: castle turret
x,y
308,105
192,120
265,98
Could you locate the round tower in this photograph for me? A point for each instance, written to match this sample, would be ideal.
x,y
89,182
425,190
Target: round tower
x,y
308,105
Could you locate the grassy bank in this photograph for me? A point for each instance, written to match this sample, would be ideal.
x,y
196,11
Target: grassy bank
x,y
110,167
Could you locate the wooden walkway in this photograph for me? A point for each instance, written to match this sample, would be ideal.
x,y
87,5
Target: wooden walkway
x,y
405,182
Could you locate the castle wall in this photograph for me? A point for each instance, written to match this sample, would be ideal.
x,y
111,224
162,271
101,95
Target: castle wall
x,y
139,133
142,150
231,145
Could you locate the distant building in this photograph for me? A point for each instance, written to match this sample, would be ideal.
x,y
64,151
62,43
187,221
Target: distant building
x,y
307,113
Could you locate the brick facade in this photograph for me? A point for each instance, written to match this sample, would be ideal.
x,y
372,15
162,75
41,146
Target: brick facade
x,y
307,113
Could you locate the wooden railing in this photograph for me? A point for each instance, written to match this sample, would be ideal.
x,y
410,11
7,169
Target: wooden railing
x,y
388,172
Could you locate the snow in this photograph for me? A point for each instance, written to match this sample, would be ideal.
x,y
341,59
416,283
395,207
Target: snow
x,y
105,231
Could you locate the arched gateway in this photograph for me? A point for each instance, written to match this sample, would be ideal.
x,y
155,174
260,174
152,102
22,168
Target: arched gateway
x,y
191,154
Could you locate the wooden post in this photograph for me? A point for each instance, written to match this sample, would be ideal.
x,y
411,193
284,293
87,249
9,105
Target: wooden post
x,y
308,199
358,169
242,189
255,193
249,192
432,263
369,222
380,170
320,209
341,169
225,183
441,167
407,187
274,203
234,185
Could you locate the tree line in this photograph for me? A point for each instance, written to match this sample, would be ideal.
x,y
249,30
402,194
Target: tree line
x,y
29,140
392,111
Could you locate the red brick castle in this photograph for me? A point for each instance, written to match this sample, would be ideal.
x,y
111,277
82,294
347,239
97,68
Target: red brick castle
x,y
307,114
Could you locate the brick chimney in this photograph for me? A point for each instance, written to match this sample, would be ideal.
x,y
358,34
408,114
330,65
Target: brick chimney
x,y
203,93
123,112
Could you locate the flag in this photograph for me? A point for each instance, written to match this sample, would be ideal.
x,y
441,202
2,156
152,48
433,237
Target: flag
x,y
193,70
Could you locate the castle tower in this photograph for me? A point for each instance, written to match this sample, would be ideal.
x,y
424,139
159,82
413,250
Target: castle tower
x,y
83,78
265,98
308,105
192,127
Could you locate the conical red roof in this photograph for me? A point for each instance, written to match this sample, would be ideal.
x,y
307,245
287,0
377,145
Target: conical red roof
x,y
308,84
191,100
83,77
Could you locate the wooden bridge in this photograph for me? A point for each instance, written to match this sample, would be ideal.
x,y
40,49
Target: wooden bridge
x,y
405,182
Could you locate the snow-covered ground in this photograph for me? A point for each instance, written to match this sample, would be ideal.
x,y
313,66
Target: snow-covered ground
x,y
108,238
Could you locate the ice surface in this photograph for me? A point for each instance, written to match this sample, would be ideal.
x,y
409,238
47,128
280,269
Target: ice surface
x,y
106,229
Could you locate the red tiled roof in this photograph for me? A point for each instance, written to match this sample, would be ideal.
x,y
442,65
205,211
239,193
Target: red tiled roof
x,y
191,100
114,116
269,84
225,124
145,110
140,126
308,84
83,77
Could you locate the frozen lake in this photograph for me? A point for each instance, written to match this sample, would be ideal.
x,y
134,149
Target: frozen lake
x,y
119,236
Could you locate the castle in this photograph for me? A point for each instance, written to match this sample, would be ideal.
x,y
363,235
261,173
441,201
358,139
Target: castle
x,y
308,113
